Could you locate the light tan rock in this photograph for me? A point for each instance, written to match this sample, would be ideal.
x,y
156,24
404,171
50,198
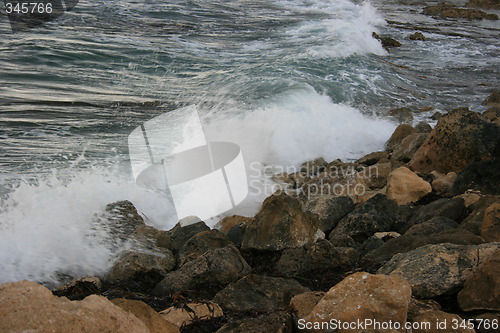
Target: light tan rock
x,y
364,296
404,186
439,321
469,198
29,307
191,312
490,229
444,183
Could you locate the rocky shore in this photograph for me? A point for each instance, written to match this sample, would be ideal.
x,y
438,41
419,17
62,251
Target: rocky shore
x,y
405,236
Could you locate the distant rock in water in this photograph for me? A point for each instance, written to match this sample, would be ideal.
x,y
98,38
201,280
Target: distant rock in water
x,y
387,42
444,10
417,36
486,4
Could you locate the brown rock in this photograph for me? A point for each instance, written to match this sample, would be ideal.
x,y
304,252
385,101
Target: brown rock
x,y
474,221
314,167
373,158
276,322
445,10
486,4
417,36
364,296
482,289
444,183
434,318
493,99
404,186
201,243
147,315
29,307
406,149
229,222
419,306
490,229
459,138
191,312
303,304
378,175
401,132
403,115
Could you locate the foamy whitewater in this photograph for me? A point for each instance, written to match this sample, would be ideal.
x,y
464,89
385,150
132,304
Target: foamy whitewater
x,y
288,81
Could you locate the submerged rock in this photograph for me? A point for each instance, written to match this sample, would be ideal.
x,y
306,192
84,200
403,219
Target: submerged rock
x,y
386,42
417,36
451,11
486,4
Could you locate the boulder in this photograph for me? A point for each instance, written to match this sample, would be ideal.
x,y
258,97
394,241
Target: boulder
x,y
373,158
191,312
280,224
494,98
486,4
201,243
29,307
146,237
377,177
474,221
443,184
276,322
444,10
342,241
386,42
140,270
459,138
482,288
440,321
329,210
490,229
316,257
184,230
376,214
258,293
482,176
404,186
303,304
213,269
229,222
434,270
405,151
432,226
401,132
423,127
147,315
417,36
403,115
363,296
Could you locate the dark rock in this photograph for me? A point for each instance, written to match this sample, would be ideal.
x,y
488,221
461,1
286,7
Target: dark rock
x,y
214,269
147,237
386,42
236,234
376,214
417,36
330,210
316,257
494,98
343,241
419,306
229,222
373,158
258,293
490,229
303,304
451,11
436,116
490,317
201,243
403,115
80,288
280,224
474,221
371,244
486,4
482,176
401,132
276,322
432,226
423,127
180,233
459,138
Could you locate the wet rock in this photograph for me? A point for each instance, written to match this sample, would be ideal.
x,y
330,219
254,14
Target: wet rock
x,y
147,237
451,11
417,36
201,243
434,270
373,158
443,183
213,269
376,214
314,167
436,318
407,148
153,320
29,307
276,322
423,127
191,312
401,132
433,226
490,229
229,222
184,230
140,270
316,257
459,138
329,210
280,224
386,42
403,115
363,296
80,288
258,293
482,289
303,304
494,98
404,186
481,176
474,221
436,116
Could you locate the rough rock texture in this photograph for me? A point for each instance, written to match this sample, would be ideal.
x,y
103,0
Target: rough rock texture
x,y
276,322
216,267
316,257
404,186
486,4
303,304
364,296
201,243
258,293
148,237
451,11
440,322
481,176
190,312
147,315
376,214
482,289
29,307
490,229
432,226
329,210
280,224
459,138
434,270
180,233
140,269
373,158
401,132
405,151
229,222
80,288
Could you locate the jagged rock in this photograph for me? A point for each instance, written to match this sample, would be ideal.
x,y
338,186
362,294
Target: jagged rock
x,y
417,36
276,322
482,176
29,307
401,132
363,296
316,257
434,270
405,151
451,11
474,221
147,315
486,4
140,270
490,229
190,312
373,158
258,293
303,304
482,289
403,115
229,222
440,321
459,138
215,268
404,186
376,214
201,243
280,224
314,167
330,210
183,231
